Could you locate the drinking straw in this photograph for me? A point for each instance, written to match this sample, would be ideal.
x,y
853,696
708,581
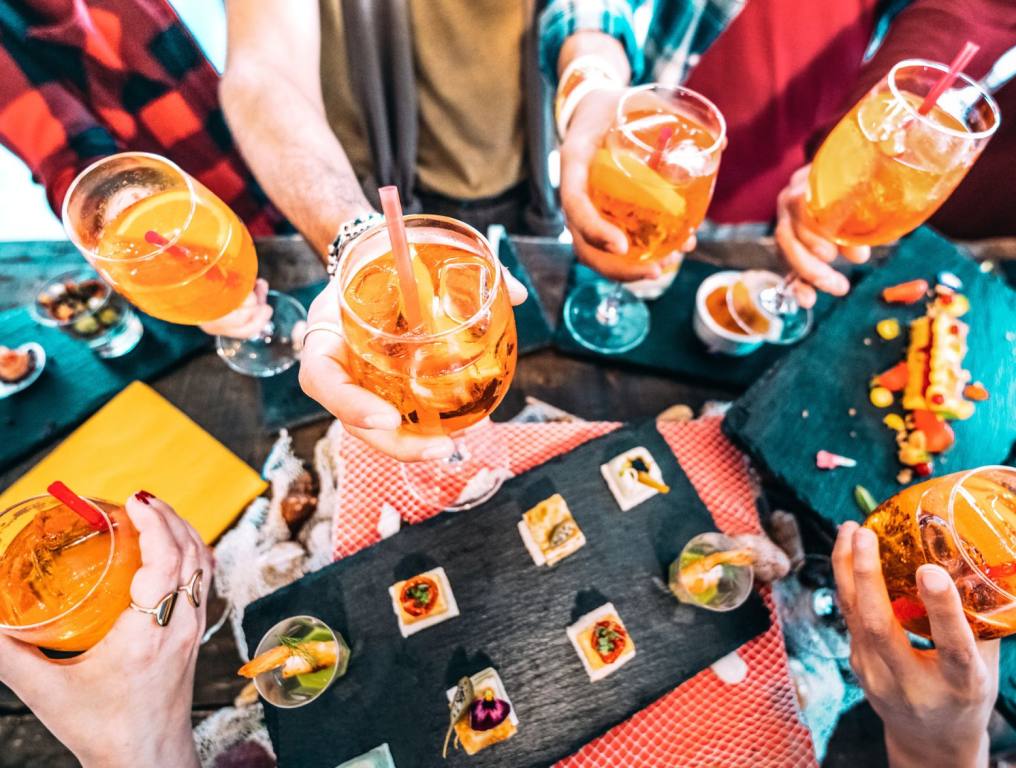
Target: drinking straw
x,y
661,142
392,207
77,504
154,238
962,59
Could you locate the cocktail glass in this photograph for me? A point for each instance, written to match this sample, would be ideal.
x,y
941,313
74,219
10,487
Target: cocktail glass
x,y
299,690
885,168
447,378
176,251
653,178
712,572
964,522
64,583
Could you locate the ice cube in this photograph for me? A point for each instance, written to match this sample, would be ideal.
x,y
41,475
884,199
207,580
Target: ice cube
x,y
685,157
373,295
463,288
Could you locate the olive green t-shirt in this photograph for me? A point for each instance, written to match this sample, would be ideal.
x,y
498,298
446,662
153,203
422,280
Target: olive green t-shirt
x,y
469,75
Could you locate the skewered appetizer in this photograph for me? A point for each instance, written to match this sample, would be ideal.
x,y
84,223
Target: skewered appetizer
x,y
935,387
549,531
480,713
633,477
602,642
423,601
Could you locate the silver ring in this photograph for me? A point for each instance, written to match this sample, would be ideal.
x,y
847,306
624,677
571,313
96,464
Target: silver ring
x,y
322,325
163,610
193,588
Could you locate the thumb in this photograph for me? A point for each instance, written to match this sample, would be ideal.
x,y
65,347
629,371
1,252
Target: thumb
x,y
24,669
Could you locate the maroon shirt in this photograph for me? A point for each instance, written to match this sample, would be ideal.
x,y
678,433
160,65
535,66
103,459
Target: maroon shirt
x,y
785,71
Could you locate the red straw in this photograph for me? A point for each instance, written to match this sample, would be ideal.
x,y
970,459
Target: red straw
x,y
664,138
962,59
154,238
392,207
89,513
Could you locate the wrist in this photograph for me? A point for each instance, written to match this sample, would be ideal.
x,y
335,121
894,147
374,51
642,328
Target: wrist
x,y
917,753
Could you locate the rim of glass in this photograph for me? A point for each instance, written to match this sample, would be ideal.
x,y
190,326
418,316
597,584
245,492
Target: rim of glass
x,y
43,319
964,476
276,630
98,582
422,338
912,111
110,158
622,125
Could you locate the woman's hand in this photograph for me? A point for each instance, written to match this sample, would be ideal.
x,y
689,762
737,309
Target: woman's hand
x,y
127,701
599,244
247,320
807,251
323,376
935,704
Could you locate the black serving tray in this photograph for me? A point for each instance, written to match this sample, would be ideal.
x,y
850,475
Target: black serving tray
x,y
513,618
828,375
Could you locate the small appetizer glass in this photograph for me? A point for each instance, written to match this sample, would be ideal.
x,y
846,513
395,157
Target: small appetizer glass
x,y
84,307
296,661
712,572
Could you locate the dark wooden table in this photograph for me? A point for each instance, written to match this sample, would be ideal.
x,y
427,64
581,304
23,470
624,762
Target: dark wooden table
x,y
590,390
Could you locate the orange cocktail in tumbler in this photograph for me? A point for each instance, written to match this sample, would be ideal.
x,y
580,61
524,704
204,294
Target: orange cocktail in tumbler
x,y
885,168
161,238
654,176
966,523
454,370
64,582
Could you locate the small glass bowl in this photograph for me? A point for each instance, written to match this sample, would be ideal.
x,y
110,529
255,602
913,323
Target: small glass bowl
x,y
291,693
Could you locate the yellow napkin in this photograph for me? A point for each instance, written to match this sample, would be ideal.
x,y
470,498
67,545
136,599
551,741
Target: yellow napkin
x,y
139,440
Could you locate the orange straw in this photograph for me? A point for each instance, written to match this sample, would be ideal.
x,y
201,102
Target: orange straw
x,y
962,59
661,143
392,207
90,514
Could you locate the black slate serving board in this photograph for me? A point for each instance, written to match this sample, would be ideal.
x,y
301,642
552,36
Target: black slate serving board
x,y
75,382
829,373
513,617
283,403
672,346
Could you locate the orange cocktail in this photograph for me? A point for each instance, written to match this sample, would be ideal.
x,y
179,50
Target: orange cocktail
x,y
454,370
654,176
966,523
64,583
161,238
885,169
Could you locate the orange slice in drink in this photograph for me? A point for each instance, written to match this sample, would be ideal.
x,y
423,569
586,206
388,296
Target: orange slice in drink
x,y
625,176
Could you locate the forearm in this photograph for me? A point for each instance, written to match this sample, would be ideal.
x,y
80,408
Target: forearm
x,y
291,149
922,755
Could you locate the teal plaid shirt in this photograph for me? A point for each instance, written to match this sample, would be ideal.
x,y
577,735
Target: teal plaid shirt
x,y
662,38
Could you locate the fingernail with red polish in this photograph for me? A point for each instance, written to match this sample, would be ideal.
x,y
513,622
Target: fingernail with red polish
x,y
144,497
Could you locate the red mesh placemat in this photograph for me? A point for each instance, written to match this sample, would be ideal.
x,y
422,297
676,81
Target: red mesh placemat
x,y
704,722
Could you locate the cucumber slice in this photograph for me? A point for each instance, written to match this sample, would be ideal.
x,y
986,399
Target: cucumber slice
x,y
312,682
318,634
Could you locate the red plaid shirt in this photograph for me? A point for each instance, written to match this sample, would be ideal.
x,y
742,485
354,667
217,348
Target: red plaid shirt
x,y
82,79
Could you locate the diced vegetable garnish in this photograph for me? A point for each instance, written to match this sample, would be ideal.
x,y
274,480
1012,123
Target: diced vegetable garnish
x,y
880,397
888,329
950,280
923,469
895,422
975,391
865,501
938,435
905,293
894,379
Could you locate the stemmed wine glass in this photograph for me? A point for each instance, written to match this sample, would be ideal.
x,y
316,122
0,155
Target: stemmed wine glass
x,y
177,252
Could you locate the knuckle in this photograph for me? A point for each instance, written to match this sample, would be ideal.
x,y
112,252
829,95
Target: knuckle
x,y
877,629
958,657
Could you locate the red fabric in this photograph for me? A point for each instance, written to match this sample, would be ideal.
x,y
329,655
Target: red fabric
x,y
83,79
702,723
782,68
